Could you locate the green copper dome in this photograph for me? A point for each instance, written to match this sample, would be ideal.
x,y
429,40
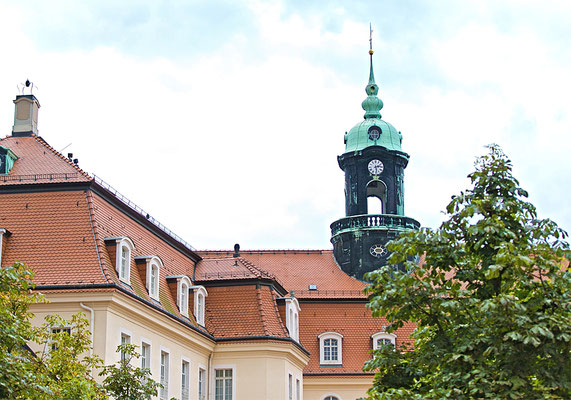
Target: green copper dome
x,y
358,137
363,135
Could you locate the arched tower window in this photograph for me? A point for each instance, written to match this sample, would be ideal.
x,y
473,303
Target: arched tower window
x,y
376,197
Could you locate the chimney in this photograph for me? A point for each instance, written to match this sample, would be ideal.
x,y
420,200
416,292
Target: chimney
x,y
26,115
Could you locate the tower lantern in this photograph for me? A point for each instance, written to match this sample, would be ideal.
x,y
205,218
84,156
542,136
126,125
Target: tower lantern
x,y
374,165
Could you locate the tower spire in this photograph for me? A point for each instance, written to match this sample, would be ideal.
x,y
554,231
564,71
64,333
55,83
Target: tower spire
x,y
371,73
372,104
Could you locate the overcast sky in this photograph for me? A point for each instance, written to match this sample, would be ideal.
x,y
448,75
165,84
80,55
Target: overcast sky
x,y
224,119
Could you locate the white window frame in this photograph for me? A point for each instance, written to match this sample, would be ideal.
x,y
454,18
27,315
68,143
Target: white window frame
x,y
154,263
234,378
124,242
124,333
183,395
292,317
183,285
164,378
330,335
201,384
383,335
148,343
199,314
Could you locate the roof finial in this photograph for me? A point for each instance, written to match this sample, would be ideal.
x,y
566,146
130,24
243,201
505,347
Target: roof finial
x,y
372,104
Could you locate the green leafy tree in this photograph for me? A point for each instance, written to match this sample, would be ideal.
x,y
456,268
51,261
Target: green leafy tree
x,y
491,300
15,331
65,367
126,382
62,372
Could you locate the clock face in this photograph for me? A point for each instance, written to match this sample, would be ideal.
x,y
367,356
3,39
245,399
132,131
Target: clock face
x,y
378,250
376,167
374,133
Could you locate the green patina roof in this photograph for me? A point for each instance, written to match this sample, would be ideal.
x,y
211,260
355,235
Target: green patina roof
x,y
358,137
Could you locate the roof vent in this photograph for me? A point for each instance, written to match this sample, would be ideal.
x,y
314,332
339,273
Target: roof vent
x,y
312,287
236,250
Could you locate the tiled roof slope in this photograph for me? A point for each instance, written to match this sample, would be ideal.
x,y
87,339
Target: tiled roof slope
x,y
38,162
110,222
229,268
353,321
51,232
297,269
243,310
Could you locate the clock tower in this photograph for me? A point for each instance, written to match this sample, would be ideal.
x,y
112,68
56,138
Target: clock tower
x,y
374,164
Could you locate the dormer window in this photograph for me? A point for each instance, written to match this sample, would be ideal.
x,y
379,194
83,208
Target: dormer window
x,y
381,338
183,286
124,248
200,294
292,317
154,265
330,348
7,159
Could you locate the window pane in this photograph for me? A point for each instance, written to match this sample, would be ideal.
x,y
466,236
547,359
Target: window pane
x,y
201,380
124,262
185,380
223,384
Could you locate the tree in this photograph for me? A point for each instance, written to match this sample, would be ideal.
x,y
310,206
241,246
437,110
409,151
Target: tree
x,y
62,371
15,330
491,299
126,382
65,367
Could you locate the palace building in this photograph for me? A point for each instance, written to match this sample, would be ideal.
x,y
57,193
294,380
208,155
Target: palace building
x,y
237,324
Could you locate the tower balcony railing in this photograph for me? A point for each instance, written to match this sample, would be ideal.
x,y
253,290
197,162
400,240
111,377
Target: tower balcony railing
x,y
374,221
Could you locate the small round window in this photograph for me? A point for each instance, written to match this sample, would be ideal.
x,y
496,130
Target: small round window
x,y
374,133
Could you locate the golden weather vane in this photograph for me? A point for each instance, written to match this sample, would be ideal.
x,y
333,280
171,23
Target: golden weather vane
x,y
370,39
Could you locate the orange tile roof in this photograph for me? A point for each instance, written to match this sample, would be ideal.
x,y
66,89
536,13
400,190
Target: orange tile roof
x,y
243,310
51,232
353,321
297,269
230,268
38,162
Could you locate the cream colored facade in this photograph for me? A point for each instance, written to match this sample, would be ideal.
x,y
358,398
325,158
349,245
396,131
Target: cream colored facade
x,y
342,388
260,369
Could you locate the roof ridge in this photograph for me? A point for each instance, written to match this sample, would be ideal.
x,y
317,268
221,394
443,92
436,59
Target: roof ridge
x,y
40,140
266,251
259,272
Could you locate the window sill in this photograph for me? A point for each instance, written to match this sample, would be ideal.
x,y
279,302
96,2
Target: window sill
x,y
331,365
